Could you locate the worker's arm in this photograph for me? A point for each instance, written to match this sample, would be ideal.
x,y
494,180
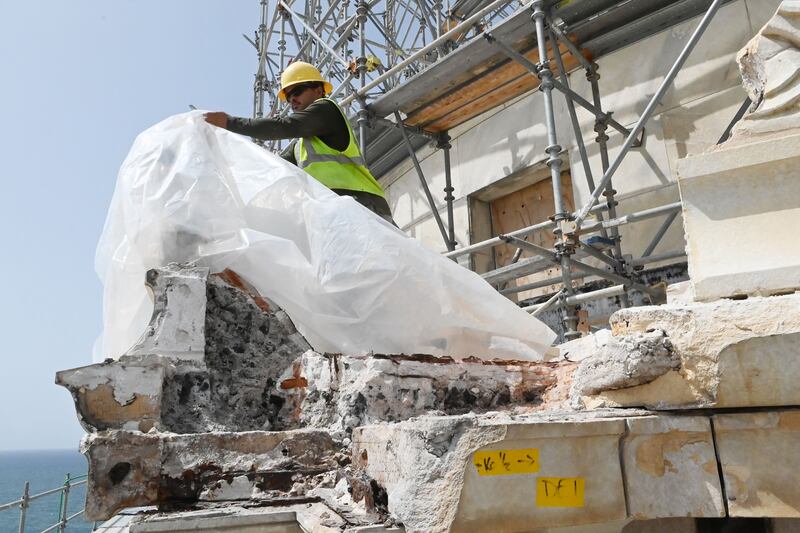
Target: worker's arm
x,y
320,119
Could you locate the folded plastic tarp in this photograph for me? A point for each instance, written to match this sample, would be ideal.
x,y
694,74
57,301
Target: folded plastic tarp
x,y
352,283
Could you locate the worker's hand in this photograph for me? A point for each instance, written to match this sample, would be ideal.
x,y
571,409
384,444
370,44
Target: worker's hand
x,y
217,118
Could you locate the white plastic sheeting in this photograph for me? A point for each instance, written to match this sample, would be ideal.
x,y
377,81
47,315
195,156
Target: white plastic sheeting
x,y
191,192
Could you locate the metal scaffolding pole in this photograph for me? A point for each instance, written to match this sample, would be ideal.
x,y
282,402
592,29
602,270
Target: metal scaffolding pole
x,y
444,145
494,241
607,292
541,308
457,30
648,112
361,66
599,272
600,127
659,234
502,274
260,85
564,247
424,184
547,282
573,116
562,86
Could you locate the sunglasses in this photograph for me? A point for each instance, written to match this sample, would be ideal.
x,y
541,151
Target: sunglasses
x,y
297,89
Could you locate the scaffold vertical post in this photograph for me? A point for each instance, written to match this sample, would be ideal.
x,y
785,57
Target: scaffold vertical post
x,y
361,66
573,116
260,85
434,210
282,43
62,515
563,246
23,506
600,127
444,145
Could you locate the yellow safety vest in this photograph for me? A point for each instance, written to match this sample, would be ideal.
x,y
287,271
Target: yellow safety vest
x,y
335,169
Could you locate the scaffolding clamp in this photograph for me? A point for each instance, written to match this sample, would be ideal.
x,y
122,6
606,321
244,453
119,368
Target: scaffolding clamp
x,y
567,228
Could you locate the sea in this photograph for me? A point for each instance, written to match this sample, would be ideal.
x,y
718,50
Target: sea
x,y
45,470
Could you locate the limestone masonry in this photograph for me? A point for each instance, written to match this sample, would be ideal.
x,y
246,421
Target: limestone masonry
x,y
431,444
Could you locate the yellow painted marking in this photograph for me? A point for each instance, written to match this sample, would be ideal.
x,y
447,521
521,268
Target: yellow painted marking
x,y
506,462
560,491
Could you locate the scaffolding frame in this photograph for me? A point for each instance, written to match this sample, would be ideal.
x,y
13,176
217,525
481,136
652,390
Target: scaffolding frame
x,y
415,35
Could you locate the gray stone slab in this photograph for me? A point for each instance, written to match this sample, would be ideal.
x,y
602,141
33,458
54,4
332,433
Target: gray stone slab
x,y
670,468
759,455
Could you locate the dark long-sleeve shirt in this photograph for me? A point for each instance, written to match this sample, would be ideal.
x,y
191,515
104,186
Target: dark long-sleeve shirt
x,y
320,119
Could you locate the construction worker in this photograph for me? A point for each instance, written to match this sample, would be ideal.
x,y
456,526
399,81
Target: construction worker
x,y
325,144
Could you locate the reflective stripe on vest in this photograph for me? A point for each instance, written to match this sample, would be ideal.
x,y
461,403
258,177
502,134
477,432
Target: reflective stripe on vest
x,y
313,157
336,169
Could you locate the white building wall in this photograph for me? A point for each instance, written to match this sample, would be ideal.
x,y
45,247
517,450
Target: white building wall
x,y
691,117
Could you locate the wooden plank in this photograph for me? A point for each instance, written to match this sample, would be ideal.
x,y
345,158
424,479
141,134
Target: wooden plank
x,y
499,96
446,81
494,86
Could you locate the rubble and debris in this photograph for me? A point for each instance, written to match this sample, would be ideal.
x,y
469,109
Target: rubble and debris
x,y
626,362
733,353
343,392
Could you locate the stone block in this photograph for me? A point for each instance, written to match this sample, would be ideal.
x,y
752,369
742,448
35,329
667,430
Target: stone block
x,y
741,209
225,378
758,455
733,353
578,479
124,471
125,394
436,481
579,349
543,471
128,469
670,468
624,362
680,293
177,327
271,522
785,525
314,517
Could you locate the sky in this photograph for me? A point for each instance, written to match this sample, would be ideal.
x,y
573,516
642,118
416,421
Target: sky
x,y
78,81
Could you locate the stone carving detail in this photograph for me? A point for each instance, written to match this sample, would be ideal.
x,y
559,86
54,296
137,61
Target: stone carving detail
x,y
770,67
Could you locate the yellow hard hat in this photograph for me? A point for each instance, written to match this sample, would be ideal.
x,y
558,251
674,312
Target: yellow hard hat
x,y
301,72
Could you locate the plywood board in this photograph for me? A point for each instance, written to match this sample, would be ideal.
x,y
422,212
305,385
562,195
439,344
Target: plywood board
x,y
522,208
